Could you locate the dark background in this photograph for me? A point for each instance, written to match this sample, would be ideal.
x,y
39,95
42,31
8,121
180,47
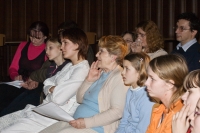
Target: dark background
x,y
101,16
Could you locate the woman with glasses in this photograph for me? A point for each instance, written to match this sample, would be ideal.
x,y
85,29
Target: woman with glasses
x,y
129,38
29,57
149,39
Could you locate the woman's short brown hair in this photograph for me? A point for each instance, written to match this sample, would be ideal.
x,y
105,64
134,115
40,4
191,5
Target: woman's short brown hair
x,y
114,45
79,37
192,80
171,67
139,61
154,38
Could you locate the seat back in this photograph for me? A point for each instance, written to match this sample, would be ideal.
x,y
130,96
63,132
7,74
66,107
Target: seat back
x,y
91,37
2,39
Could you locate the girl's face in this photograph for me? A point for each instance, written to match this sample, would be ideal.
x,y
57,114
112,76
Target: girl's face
x,y
141,35
105,59
69,49
129,74
191,97
53,50
129,40
37,38
156,87
195,123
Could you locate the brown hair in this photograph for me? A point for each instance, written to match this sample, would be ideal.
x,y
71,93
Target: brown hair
x,y
171,67
77,36
153,36
192,80
114,45
139,61
54,40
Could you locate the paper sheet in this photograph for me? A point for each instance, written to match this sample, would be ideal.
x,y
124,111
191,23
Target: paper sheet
x,y
53,110
15,83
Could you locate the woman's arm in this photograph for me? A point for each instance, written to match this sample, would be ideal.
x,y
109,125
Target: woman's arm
x,y
92,76
66,89
117,102
82,89
40,74
13,69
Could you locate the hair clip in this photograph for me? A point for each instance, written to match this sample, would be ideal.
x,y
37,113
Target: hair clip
x,y
141,59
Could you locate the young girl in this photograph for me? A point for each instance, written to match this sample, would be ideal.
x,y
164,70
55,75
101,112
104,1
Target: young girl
x,y
165,82
190,98
138,106
195,123
62,87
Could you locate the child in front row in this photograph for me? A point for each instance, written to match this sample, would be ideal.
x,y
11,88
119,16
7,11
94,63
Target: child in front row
x,y
183,119
138,107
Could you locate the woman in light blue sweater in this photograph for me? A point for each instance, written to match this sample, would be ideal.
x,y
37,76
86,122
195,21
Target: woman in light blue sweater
x,y
137,111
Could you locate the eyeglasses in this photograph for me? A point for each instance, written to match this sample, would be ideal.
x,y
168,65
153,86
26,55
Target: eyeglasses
x,y
128,41
181,28
36,34
140,34
35,37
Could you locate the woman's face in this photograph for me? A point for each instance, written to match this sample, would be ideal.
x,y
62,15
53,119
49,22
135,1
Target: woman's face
x,y
156,87
105,59
127,74
129,40
37,37
69,49
195,123
191,97
141,35
53,50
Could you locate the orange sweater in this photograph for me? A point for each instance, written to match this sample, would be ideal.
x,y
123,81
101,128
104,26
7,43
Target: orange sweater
x,y
166,125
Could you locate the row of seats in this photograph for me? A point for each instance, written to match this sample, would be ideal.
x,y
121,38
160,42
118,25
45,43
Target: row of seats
x,y
91,38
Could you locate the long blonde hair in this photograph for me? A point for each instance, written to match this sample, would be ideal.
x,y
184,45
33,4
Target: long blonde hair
x,y
171,67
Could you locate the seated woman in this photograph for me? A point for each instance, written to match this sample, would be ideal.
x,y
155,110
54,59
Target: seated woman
x,y
150,39
165,82
181,120
102,95
61,88
29,57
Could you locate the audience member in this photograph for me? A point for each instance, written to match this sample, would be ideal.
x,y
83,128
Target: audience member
x,y
138,107
191,96
165,82
60,88
29,57
129,37
149,39
195,122
72,24
187,28
102,95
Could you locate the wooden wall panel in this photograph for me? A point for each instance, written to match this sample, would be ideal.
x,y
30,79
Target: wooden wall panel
x,y
2,16
101,16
